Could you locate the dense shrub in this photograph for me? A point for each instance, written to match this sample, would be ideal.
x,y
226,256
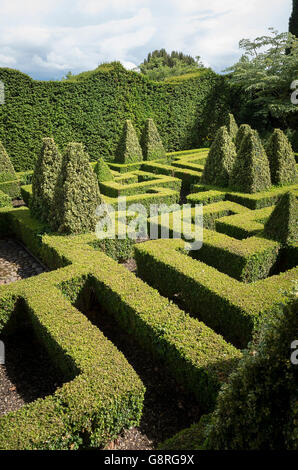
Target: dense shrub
x,y
151,142
92,111
231,125
282,225
77,193
129,149
220,160
251,172
46,173
242,132
257,409
281,159
7,172
102,171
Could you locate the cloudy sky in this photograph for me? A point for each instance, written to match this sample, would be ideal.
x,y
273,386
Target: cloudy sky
x,y
47,38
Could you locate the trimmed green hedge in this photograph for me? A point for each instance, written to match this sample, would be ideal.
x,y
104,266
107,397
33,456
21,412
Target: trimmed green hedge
x,y
93,109
5,200
228,306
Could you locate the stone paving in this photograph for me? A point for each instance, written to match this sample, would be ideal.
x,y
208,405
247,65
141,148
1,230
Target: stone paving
x,y
16,263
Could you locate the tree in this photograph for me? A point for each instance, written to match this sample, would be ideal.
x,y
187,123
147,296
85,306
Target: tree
x,y
77,194
265,72
281,159
220,160
160,65
129,149
45,176
151,142
293,23
251,172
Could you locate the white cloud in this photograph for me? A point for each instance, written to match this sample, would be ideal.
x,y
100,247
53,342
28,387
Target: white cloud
x,y
51,37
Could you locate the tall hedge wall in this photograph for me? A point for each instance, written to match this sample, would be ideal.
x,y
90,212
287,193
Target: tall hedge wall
x,y
92,110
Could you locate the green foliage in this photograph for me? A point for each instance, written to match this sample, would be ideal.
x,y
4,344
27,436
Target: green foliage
x,y
160,65
293,22
151,142
220,160
281,159
283,222
257,409
251,172
5,200
129,149
263,76
231,126
44,182
92,108
102,171
243,130
7,172
77,195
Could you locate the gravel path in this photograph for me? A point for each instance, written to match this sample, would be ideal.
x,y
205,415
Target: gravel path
x,y
16,263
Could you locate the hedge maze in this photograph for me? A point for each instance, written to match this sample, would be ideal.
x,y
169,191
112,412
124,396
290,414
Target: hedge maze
x,y
193,310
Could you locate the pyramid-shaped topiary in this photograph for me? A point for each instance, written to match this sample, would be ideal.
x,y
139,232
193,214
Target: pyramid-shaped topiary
x,y
129,149
282,225
151,142
7,172
77,194
251,172
220,160
231,125
102,171
45,176
281,159
243,130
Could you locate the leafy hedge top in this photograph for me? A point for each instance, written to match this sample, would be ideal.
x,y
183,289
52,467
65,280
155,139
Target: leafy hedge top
x,y
7,172
102,171
45,176
220,160
129,149
92,110
282,225
281,159
258,408
77,194
243,130
151,142
251,172
231,125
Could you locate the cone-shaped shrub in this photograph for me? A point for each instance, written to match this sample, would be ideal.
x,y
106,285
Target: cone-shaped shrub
x,y
220,160
281,159
151,142
102,171
129,149
77,194
231,125
251,172
7,172
45,176
258,408
282,225
243,130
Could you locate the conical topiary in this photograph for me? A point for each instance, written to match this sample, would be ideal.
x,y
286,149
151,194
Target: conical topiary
x,y
7,172
45,176
220,160
251,172
151,142
282,225
129,149
231,125
281,159
102,171
243,130
77,194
